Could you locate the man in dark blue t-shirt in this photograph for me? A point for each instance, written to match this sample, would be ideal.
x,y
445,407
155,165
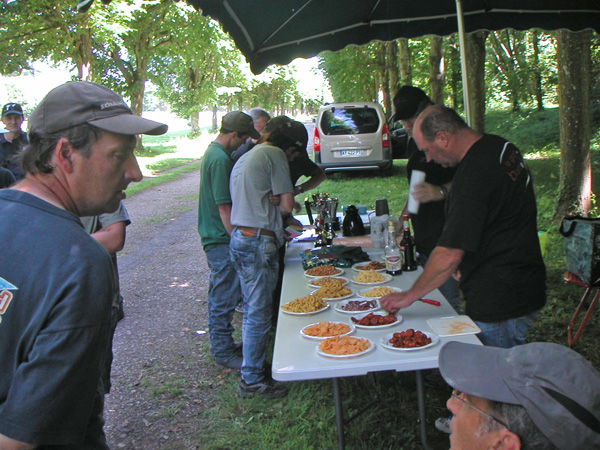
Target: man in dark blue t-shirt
x,y
490,236
56,288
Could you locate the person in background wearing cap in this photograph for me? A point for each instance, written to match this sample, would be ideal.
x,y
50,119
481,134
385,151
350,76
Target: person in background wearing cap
x,y
257,235
56,287
14,140
490,233
537,396
428,223
260,118
214,227
109,229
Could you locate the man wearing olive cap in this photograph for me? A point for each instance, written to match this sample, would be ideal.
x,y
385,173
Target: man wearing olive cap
x,y
56,287
214,227
538,396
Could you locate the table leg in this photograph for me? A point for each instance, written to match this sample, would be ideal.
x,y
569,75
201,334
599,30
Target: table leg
x,y
339,413
421,401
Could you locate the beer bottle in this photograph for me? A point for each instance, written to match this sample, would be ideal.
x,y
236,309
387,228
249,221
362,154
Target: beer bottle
x,y
392,252
407,244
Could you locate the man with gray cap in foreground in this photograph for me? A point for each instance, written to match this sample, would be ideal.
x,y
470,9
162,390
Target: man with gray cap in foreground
x,y
538,396
56,287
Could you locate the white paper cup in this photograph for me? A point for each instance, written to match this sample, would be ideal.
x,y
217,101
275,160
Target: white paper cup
x,y
417,176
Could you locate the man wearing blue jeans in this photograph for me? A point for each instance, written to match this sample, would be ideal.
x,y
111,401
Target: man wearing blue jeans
x,y
490,234
256,238
214,226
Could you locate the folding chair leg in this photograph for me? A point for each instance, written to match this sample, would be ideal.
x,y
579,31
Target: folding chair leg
x,y
573,340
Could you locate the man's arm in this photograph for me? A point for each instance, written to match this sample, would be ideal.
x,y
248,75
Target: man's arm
x,y
315,179
7,443
442,263
225,213
286,204
427,192
112,237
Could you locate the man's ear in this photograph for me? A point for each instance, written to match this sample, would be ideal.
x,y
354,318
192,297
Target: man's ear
x,y
443,139
507,440
63,155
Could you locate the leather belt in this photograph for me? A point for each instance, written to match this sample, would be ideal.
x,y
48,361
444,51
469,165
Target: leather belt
x,y
252,232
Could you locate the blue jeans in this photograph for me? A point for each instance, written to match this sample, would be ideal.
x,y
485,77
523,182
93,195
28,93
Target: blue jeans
x,y
256,261
449,289
507,333
223,294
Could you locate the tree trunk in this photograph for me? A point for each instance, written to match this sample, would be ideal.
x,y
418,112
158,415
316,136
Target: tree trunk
x,y
573,55
392,66
475,43
537,71
195,121
436,76
455,70
404,62
383,78
215,127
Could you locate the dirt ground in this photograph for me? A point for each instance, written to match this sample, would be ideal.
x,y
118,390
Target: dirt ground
x,y
162,374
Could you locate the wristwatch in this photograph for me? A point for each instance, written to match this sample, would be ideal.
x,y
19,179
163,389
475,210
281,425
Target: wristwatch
x,y
443,191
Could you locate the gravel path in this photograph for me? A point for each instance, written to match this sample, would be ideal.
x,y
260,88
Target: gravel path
x,y
161,366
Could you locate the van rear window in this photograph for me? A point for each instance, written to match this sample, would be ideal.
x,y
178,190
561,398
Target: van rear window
x,y
349,121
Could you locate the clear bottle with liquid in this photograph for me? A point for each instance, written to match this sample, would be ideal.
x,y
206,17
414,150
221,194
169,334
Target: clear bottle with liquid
x,y
392,252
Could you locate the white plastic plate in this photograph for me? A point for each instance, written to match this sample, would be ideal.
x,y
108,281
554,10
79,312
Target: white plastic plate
x,y
385,342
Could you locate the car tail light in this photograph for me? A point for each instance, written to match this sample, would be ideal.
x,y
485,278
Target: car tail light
x,y
317,141
385,136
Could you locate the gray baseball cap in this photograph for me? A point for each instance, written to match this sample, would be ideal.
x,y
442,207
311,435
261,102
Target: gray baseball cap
x,y
78,102
558,388
240,122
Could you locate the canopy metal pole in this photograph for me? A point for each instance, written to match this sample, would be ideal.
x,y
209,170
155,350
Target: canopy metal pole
x,y
463,59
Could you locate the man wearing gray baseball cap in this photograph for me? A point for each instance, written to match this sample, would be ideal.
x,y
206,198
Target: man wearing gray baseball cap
x,y
538,396
56,282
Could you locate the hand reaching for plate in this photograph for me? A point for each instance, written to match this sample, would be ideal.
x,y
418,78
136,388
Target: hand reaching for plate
x,y
396,301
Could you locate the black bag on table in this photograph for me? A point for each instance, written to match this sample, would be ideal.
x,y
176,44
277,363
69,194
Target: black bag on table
x,y
582,247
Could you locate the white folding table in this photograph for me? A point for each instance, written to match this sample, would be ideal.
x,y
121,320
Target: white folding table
x,y
295,357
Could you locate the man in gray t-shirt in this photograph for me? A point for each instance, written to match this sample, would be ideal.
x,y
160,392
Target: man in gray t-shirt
x,y
256,238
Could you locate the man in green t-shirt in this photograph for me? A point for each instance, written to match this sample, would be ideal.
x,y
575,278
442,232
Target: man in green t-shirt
x,y
214,227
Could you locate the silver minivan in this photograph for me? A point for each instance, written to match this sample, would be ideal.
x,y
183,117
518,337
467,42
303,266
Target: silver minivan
x,y
352,136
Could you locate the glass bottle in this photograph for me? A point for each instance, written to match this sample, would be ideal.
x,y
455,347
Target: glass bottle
x,y
407,244
392,252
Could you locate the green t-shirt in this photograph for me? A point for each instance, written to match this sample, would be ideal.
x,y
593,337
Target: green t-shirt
x,y
214,191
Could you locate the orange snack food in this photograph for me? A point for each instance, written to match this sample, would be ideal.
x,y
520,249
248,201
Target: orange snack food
x,y
326,269
327,329
345,345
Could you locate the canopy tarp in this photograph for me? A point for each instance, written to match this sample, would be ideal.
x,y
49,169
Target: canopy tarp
x,y
276,32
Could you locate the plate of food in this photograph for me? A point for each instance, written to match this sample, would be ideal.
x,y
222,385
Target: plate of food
x,y
369,265
371,278
357,306
374,321
344,347
324,330
377,292
318,282
333,292
323,271
305,306
409,340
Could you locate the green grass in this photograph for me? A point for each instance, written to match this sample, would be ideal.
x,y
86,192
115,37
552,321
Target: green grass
x,y
167,164
162,178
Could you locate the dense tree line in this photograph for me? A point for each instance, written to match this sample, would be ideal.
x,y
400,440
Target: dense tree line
x,y
125,44
506,69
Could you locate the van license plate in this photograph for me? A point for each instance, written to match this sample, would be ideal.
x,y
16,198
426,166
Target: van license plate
x,y
353,153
